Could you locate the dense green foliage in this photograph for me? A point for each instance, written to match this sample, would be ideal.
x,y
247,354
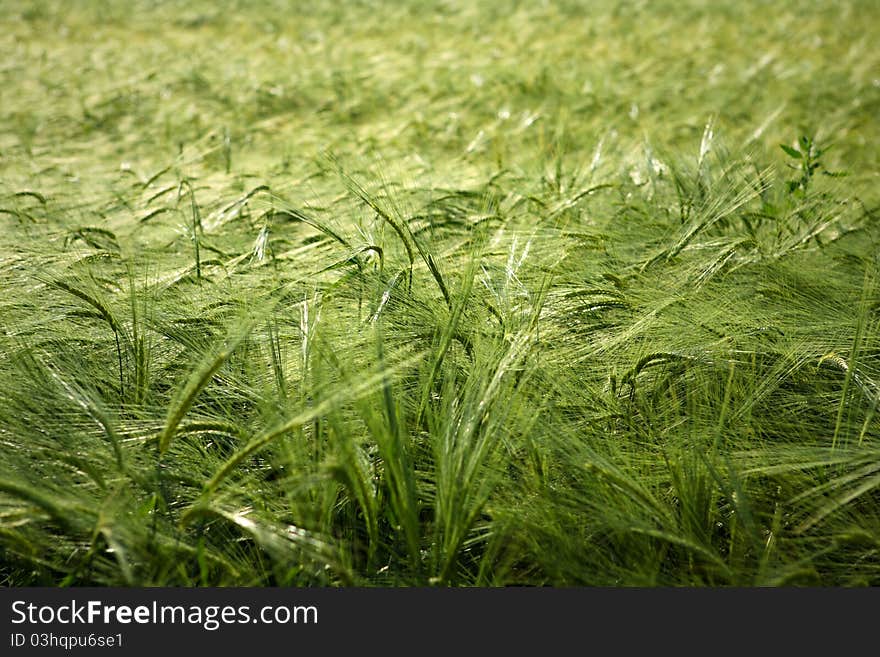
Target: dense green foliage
x,y
447,293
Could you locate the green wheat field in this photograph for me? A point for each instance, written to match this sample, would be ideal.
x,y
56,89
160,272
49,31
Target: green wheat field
x,y
439,293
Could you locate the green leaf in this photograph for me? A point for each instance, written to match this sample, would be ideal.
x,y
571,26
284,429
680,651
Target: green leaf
x,y
791,151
